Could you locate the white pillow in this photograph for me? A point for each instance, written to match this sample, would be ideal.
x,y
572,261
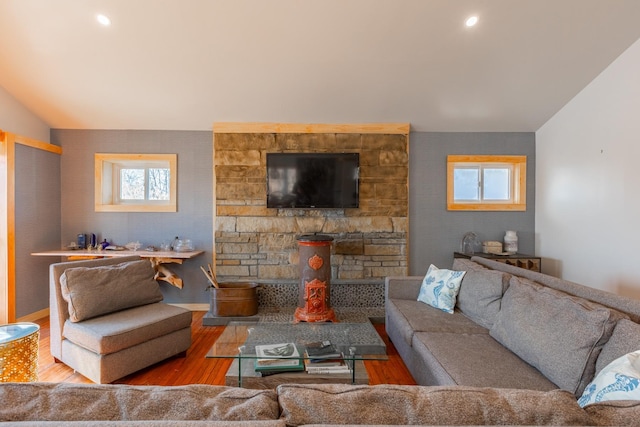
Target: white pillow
x,y
619,380
440,288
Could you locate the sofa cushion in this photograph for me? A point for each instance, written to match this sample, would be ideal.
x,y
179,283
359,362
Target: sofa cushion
x,y
413,316
440,288
116,331
75,402
559,334
150,423
624,339
481,293
614,413
466,359
93,291
405,405
619,380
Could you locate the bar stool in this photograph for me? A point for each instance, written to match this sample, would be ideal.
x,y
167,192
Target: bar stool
x,y
19,352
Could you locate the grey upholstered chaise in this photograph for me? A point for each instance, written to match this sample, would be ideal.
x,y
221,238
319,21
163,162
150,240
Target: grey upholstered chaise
x,y
107,320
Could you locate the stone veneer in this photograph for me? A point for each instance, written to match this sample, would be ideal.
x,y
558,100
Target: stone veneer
x,y
257,244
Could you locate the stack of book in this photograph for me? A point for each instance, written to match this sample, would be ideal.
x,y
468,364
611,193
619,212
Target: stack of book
x,y
324,358
277,358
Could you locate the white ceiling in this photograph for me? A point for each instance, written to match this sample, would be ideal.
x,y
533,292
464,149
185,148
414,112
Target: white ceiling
x,y
185,64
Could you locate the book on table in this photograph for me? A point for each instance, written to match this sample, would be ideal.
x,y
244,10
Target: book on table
x,y
324,363
278,357
328,371
324,358
331,366
322,350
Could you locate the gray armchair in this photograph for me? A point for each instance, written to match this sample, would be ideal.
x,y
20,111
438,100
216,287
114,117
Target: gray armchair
x,y
107,320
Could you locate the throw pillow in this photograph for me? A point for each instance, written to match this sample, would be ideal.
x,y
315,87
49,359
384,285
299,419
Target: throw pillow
x,y
440,288
94,291
480,295
559,334
619,380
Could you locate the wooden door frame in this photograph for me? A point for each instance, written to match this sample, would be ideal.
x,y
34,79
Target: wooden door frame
x,y
8,141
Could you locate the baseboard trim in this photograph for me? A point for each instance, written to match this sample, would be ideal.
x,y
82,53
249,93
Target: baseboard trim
x,y
34,316
193,307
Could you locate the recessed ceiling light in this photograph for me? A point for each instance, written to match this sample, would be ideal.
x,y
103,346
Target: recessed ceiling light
x,y
103,19
471,21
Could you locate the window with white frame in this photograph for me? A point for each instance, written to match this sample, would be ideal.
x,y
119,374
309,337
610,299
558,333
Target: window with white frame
x,y
135,182
486,182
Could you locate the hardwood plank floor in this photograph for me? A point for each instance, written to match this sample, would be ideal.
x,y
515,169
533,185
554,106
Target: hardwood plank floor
x,y
196,369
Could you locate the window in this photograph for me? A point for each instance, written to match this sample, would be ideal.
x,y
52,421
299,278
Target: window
x,y
135,182
487,183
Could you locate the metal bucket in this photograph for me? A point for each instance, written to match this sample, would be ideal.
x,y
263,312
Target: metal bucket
x,y
234,299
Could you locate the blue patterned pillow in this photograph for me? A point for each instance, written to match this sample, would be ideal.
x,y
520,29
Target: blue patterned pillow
x,y
440,288
619,380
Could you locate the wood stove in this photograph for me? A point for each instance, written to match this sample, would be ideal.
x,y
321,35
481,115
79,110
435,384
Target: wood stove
x,y
314,291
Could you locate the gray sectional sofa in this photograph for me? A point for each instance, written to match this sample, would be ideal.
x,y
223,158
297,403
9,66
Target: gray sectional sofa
x,y
511,328
517,350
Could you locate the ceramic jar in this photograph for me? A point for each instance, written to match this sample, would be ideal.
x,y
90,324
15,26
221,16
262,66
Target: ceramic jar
x,y
511,242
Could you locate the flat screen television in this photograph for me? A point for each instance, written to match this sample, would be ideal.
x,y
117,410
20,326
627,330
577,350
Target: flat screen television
x,y
313,180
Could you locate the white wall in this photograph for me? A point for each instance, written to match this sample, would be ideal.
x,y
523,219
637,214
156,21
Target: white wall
x,y
15,118
588,183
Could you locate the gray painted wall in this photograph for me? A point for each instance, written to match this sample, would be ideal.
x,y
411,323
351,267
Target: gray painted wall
x,y
193,219
436,233
37,224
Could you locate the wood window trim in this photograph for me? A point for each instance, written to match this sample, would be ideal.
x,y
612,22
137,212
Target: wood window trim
x,y
519,182
103,189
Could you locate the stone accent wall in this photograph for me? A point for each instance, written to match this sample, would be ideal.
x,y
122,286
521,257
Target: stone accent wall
x,y
254,243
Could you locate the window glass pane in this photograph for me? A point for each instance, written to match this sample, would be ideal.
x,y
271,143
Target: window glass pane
x,y
159,181
132,184
465,184
495,184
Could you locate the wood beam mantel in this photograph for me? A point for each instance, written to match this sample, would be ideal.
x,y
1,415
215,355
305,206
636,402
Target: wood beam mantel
x,y
256,127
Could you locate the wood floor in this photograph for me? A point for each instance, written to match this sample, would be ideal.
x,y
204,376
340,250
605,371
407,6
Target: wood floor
x,y
196,369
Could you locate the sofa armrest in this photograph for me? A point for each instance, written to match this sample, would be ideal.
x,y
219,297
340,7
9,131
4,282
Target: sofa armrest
x,y
402,287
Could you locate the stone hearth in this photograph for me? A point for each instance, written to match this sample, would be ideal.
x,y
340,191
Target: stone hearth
x,y
285,314
353,301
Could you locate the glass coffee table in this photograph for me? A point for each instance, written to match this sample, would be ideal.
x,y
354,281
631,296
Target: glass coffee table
x,y
357,342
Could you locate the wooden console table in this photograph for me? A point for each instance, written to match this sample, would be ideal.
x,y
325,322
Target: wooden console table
x,y
157,258
528,262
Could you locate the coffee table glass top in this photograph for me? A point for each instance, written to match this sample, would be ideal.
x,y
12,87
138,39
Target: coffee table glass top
x,y
358,341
